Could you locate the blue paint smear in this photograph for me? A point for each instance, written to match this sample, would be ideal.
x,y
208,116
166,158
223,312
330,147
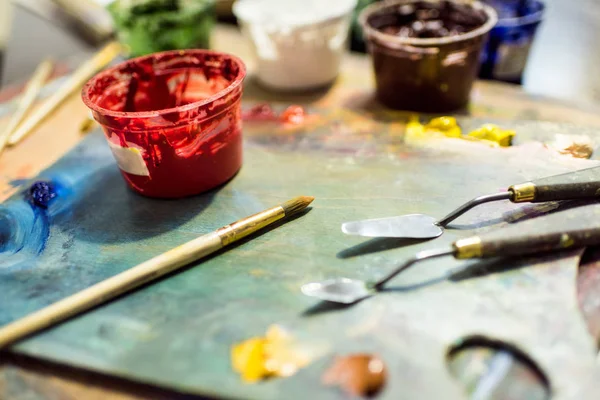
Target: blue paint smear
x,y
25,224
42,193
26,219
23,233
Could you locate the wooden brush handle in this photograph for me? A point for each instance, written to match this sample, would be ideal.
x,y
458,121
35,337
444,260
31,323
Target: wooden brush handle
x,y
149,270
583,184
494,244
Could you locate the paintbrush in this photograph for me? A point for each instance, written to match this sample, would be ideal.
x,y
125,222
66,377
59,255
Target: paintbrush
x,y
73,83
148,271
30,93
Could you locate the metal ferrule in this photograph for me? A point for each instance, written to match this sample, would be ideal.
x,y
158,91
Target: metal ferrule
x,y
470,247
523,192
249,225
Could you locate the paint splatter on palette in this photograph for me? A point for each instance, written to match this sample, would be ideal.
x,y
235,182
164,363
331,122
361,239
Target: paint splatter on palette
x,y
178,332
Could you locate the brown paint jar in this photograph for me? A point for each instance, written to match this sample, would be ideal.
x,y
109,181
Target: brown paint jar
x,y
431,74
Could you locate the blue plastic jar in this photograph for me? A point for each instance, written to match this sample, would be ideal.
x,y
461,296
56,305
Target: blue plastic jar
x,y
505,54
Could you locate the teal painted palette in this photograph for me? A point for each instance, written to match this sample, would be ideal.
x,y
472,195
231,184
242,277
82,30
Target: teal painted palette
x,y
177,332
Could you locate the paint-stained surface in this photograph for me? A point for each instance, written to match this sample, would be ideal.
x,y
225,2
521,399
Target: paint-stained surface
x,y
178,332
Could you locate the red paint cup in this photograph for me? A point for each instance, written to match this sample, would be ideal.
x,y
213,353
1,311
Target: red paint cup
x,y
172,119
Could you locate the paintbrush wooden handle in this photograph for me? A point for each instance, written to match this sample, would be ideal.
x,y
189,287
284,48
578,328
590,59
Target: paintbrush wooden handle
x,y
111,288
583,184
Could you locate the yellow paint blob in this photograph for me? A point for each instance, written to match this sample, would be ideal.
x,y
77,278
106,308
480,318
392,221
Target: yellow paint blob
x,y
493,133
248,359
445,125
414,129
271,356
489,134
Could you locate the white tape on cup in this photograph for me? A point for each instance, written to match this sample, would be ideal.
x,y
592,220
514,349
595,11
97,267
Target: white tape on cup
x,y
129,159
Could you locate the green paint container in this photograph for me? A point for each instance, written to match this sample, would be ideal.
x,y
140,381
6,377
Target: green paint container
x,y
150,26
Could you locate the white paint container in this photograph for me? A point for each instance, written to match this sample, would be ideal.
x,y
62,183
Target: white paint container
x,y
298,44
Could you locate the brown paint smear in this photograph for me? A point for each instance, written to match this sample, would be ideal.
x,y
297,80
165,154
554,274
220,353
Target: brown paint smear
x,y
357,374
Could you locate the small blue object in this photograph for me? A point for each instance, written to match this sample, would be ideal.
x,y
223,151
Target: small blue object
x,y
42,193
505,54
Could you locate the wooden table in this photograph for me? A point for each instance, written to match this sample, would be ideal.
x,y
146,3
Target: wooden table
x,y
26,378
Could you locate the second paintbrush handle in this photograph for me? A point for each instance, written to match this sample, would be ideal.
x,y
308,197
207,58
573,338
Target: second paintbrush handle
x,y
490,245
583,184
73,83
111,288
30,94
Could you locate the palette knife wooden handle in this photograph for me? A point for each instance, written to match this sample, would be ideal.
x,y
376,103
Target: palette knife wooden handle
x,y
583,184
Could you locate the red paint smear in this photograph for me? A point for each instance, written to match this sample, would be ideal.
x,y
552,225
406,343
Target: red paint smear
x,y
187,150
293,115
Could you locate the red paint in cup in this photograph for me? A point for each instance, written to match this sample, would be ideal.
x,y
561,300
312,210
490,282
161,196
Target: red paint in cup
x,y
172,119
